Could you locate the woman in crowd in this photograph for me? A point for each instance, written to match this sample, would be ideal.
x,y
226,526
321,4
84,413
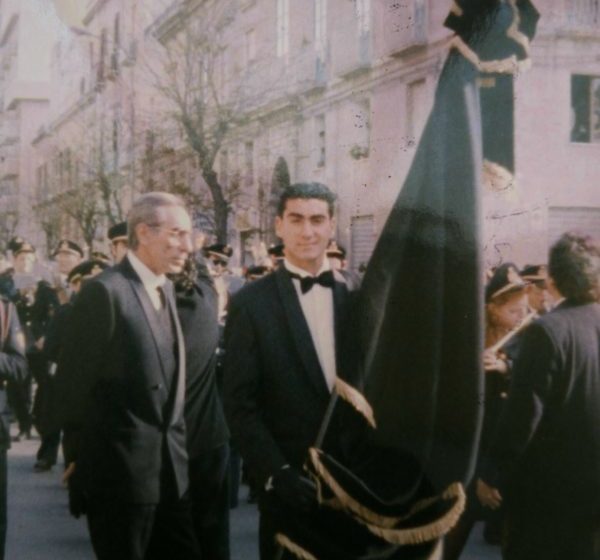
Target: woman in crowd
x,y
505,311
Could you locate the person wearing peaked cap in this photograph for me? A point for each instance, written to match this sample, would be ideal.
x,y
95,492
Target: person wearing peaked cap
x,y
537,290
336,255
25,293
49,400
119,243
100,256
219,253
67,255
544,462
505,309
276,254
256,272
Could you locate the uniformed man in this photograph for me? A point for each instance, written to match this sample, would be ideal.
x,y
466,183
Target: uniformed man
x,y
35,301
336,255
276,254
117,234
67,255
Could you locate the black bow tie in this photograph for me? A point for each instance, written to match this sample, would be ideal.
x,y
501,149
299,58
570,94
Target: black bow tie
x,y
325,279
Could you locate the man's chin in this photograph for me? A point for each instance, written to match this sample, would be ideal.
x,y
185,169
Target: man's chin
x,y
176,268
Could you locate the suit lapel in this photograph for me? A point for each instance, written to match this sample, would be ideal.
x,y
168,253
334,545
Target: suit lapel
x,y
151,316
340,296
300,331
179,403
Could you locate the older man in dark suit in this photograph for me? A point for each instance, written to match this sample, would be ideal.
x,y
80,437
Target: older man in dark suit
x,y
124,390
284,338
547,449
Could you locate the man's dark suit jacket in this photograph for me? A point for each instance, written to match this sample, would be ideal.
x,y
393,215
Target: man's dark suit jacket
x,y
275,391
548,443
115,384
205,421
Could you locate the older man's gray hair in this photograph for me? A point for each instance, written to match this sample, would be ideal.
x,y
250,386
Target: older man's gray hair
x,y
144,211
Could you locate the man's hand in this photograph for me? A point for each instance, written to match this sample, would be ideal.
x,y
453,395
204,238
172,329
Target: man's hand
x,y
68,473
294,489
488,495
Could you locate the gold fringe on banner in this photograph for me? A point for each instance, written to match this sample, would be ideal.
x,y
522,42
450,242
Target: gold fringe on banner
x,y
385,526
356,399
496,177
296,550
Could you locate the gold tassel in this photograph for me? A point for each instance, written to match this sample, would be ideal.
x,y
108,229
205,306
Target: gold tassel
x,y
356,399
496,177
296,550
382,525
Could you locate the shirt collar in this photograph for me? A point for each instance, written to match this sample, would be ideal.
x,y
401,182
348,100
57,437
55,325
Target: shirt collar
x,y
149,279
302,273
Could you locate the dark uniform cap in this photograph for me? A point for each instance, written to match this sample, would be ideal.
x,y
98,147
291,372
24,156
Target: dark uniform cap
x,y
219,250
19,245
118,232
276,251
256,271
505,279
68,246
535,273
336,251
86,269
100,256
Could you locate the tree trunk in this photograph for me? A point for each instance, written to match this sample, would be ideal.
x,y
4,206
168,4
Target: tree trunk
x,y
221,208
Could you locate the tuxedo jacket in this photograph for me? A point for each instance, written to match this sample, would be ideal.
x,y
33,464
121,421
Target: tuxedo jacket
x,y
123,387
547,448
275,393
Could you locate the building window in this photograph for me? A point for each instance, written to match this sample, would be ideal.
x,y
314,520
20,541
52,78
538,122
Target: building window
x,y
283,27
320,27
362,240
320,140
250,46
585,108
249,162
416,111
361,115
363,16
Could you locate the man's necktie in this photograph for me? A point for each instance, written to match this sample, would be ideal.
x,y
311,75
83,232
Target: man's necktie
x,y
162,297
325,279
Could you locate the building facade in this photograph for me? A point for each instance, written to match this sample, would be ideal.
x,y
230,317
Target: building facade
x,y
335,91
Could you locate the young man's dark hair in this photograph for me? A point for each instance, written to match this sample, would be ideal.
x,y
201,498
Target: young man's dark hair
x,y
574,265
306,191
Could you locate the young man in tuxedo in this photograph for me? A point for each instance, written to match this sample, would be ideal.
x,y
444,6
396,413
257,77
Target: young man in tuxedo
x,y
123,382
285,341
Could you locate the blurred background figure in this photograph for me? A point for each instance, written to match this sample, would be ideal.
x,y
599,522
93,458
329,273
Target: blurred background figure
x,y
117,236
336,255
539,299
255,272
67,255
276,254
207,433
505,311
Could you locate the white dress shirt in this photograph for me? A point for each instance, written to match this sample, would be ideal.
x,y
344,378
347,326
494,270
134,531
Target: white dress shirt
x,y
317,306
150,280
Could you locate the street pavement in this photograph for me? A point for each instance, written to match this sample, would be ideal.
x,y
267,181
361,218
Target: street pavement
x,y
40,527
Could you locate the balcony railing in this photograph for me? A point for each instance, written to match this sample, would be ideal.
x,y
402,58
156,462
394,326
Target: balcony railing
x,y
575,16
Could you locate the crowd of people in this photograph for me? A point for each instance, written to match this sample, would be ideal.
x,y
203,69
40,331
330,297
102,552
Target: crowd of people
x,y
158,368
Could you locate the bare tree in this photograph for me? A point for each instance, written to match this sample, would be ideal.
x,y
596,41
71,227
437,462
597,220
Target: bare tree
x,y
50,219
9,220
190,80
